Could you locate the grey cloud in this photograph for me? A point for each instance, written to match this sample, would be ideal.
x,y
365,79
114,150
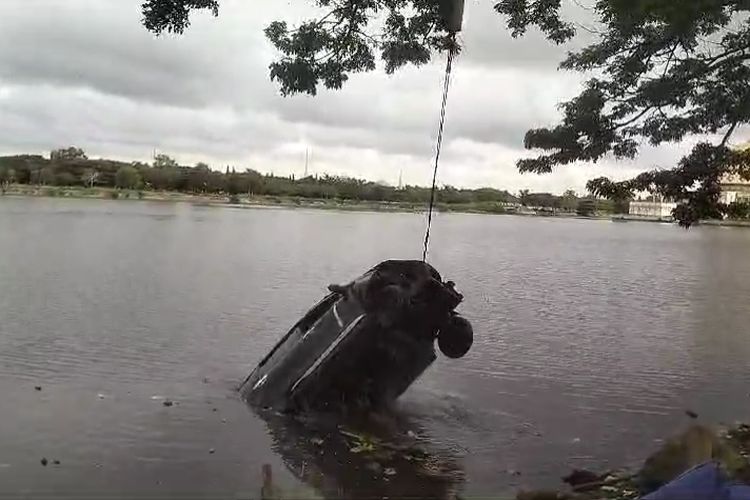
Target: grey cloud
x,y
102,46
487,41
54,117
499,106
495,106
86,73
47,117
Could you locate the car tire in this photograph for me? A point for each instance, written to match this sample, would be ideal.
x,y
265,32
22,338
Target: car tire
x,y
455,337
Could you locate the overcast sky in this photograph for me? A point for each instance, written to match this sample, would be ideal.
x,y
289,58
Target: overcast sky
x,y
86,73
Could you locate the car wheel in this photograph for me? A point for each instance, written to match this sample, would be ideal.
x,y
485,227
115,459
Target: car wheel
x,y
455,337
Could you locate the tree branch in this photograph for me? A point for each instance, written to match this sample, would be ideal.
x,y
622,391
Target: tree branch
x,y
635,118
729,133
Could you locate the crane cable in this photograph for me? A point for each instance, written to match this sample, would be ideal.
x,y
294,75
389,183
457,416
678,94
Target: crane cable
x,y
452,51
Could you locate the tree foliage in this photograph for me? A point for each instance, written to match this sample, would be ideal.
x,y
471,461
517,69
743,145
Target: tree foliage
x,y
201,179
89,177
586,208
348,37
71,153
328,49
173,15
127,177
660,71
164,161
46,176
7,177
739,210
663,70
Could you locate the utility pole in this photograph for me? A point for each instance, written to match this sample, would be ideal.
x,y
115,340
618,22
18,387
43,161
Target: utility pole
x,y
307,160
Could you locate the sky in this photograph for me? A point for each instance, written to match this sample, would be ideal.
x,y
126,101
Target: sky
x,y
86,73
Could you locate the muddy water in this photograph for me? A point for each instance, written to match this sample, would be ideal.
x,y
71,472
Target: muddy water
x,y
592,340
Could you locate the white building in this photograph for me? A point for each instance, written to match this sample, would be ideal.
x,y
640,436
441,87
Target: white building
x,y
734,188
652,209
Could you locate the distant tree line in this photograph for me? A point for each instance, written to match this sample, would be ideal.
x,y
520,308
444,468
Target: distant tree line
x,y
72,167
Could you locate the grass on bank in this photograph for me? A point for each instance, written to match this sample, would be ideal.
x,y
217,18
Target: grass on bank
x,y
245,200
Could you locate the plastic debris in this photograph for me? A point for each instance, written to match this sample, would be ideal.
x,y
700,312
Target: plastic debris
x,y
691,461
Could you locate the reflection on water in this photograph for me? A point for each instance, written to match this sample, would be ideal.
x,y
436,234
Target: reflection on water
x,y
383,455
592,338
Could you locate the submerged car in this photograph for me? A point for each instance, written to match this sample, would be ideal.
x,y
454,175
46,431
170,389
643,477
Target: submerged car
x,y
364,344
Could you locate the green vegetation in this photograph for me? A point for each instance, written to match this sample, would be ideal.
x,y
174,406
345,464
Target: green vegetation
x,y
739,210
7,177
73,174
166,175
659,72
127,177
71,153
586,208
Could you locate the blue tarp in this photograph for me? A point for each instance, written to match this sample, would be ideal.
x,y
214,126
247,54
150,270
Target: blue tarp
x,y
704,482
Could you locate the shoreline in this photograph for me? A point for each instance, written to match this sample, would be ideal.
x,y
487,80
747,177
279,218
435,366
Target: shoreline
x,y
271,201
698,445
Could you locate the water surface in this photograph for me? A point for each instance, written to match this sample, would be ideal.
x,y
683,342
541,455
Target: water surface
x,y
592,338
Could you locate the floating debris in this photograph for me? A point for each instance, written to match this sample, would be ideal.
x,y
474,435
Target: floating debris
x,y
374,467
38,387
693,449
362,448
56,462
542,495
211,451
691,414
44,461
362,443
581,478
167,402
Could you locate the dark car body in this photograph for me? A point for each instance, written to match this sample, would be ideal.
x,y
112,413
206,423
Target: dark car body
x,y
364,344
